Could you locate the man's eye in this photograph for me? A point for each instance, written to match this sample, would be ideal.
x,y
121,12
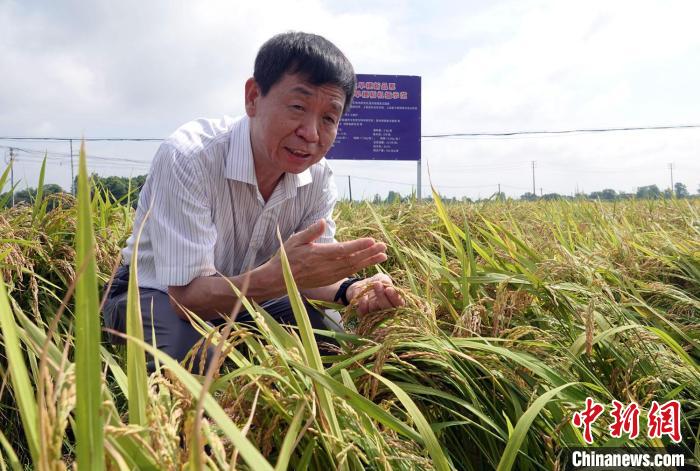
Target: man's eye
x,y
297,107
330,119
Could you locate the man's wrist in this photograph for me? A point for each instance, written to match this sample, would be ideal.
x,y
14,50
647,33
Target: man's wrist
x,y
270,279
343,291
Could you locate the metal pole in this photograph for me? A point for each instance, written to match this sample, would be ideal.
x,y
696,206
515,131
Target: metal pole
x,y
350,187
534,191
670,166
12,174
72,178
418,183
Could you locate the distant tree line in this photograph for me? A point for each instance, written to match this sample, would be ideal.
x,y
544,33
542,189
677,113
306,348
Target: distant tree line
x,y
643,192
116,188
648,192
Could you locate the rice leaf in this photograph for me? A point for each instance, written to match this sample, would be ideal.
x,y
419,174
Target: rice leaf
x,y
11,455
89,431
440,461
311,353
521,428
135,355
36,207
247,450
360,402
19,377
286,450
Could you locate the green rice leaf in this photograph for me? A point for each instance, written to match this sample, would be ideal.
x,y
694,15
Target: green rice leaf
x,y
360,402
247,450
523,425
19,376
37,206
287,445
440,461
311,353
11,455
135,355
89,431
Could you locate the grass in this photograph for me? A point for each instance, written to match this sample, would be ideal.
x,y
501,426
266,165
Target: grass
x,y
516,312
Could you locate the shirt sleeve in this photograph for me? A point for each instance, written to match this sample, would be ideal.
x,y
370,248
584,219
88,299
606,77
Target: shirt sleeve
x,y
324,197
180,223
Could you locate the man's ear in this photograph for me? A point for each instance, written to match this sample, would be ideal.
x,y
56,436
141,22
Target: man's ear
x,y
252,93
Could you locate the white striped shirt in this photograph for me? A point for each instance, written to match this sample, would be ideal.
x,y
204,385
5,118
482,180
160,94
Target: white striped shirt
x,y
207,215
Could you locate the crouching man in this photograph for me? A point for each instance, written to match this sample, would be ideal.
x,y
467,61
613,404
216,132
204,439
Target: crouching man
x,y
218,189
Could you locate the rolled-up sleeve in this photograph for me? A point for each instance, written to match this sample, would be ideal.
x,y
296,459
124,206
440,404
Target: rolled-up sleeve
x,y
180,224
324,197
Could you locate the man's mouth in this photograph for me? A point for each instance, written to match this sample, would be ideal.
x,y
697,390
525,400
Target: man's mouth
x,y
298,153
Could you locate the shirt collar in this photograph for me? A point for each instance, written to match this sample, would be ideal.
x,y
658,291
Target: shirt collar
x,y
240,165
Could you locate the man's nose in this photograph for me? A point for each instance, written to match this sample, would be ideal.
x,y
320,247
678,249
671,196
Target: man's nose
x,y
308,129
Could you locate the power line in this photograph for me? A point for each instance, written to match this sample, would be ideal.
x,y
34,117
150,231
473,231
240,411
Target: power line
x,y
564,131
426,136
89,156
86,139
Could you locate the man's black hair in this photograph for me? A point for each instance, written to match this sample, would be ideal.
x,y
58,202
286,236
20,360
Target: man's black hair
x,y
310,55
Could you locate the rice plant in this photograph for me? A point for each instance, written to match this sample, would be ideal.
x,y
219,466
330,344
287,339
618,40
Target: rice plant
x,y
515,313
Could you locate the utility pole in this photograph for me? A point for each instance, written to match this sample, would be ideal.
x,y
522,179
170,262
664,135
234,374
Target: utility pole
x,y
534,191
12,174
418,180
540,191
499,191
72,178
350,187
673,190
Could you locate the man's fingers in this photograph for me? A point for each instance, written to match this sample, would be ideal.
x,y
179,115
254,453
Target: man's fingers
x,y
394,297
350,268
310,234
363,305
355,259
345,249
382,301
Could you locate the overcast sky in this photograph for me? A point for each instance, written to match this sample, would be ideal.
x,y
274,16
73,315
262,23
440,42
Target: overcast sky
x,y
141,69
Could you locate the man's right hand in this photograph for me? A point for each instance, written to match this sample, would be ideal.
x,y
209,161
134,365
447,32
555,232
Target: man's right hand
x,y
315,264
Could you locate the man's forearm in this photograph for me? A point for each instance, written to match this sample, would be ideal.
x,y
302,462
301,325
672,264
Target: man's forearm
x,y
210,296
323,293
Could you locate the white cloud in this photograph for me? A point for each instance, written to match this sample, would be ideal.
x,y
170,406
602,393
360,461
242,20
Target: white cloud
x,y
141,69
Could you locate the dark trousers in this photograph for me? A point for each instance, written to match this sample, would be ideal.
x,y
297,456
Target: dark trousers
x,y
176,336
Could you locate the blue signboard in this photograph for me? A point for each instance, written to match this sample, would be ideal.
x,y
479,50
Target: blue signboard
x,y
383,122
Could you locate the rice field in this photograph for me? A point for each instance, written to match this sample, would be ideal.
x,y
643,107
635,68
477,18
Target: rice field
x,y
516,313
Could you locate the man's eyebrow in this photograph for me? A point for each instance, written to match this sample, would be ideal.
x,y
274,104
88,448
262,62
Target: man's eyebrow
x,y
303,90
337,107
306,92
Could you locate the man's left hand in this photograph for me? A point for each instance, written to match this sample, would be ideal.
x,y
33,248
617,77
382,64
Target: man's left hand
x,y
383,295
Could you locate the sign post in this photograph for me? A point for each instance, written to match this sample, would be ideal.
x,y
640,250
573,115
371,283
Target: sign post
x,y
383,123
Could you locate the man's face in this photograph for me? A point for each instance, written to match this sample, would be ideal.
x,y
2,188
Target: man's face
x,y
294,125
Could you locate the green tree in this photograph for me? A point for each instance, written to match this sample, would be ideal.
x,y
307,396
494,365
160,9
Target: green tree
x,y
393,197
681,190
649,192
605,195
118,187
552,196
529,197
28,195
